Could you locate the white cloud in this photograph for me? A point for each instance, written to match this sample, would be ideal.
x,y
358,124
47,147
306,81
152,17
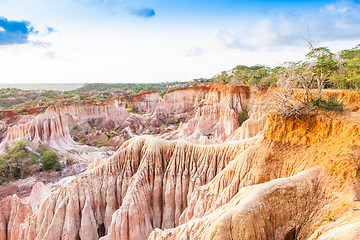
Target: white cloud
x,y
339,7
336,21
228,39
195,51
2,29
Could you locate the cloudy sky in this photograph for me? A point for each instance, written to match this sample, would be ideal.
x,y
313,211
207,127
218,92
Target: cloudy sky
x,y
73,41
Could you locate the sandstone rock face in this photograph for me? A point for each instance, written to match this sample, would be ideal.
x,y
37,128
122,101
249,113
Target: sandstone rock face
x,y
146,102
38,194
13,212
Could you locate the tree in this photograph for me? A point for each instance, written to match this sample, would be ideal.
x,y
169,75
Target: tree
x,y
323,67
307,76
349,69
258,75
223,77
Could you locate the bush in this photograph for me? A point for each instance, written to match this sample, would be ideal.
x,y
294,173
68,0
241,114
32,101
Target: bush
x,y
49,161
69,161
243,116
49,94
162,128
133,109
329,104
103,143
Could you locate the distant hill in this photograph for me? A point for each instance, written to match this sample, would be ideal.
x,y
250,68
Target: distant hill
x,y
43,86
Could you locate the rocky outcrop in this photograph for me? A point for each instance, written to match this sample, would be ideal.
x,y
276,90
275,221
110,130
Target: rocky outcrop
x,y
110,113
206,114
249,128
52,127
216,113
145,102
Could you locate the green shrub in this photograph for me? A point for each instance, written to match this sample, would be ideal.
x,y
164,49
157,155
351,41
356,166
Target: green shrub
x,y
79,137
329,104
132,109
69,161
112,134
33,159
49,94
162,128
49,161
243,116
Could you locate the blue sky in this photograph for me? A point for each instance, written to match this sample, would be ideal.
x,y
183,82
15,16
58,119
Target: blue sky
x,y
73,41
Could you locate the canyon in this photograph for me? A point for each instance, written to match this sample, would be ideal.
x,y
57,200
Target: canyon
x,y
185,166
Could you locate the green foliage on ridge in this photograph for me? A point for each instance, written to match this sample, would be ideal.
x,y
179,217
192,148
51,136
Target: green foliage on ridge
x,y
18,161
134,87
341,71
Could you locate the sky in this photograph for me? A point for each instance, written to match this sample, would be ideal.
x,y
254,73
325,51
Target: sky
x,y
78,41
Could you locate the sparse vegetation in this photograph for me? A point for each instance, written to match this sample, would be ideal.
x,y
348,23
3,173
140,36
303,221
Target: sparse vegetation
x,y
132,87
162,128
133,109
312,77
69,161
326,104
18,161
102,143
243,116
